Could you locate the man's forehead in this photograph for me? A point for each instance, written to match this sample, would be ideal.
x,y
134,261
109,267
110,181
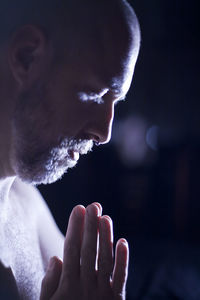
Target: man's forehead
x,y
106,58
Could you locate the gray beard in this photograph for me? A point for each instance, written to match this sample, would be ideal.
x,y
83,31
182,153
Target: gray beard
x,y
49,165
36,157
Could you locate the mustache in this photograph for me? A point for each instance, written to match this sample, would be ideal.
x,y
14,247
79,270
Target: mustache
x,y
82,146
60,155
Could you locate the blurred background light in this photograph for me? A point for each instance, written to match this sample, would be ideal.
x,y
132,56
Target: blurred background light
x,y
152,137
129,138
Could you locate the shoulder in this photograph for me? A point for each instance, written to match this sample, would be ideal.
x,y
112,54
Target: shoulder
x,y
30,199
27,194
35,206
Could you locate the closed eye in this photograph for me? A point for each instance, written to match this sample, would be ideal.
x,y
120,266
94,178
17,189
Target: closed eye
x,y
87,97
98,100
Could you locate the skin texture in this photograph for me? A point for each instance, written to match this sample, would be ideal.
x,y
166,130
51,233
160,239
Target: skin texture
x,y
38,154
46,91
77,278
56,103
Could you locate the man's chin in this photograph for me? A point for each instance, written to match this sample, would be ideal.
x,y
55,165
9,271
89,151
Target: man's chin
x,y
46,176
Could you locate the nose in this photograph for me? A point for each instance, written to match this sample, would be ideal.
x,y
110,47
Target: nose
x,y
100,125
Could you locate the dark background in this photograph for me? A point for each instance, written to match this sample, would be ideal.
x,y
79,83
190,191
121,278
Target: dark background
x,y
147,178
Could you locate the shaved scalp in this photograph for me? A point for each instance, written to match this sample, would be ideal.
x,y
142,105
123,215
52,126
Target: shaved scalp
x,y
71,19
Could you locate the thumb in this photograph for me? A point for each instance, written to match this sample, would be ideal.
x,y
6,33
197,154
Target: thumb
x,y
51,279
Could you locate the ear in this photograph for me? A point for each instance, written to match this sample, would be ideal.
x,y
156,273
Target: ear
x,y
27,54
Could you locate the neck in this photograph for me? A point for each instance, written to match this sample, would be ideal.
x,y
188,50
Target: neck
x,y
5,144
5,169
6,115
7,105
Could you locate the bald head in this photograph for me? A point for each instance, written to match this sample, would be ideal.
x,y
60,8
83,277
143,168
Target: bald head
x,y
75,20
106,32
60,59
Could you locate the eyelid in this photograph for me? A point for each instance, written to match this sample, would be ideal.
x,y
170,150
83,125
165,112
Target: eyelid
x,y
98,100
85,97
98,97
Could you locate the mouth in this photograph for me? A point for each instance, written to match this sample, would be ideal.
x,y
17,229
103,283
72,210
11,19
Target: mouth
x,y
74,155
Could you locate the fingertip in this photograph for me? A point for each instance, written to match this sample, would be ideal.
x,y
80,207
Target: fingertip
x,y
93,210
99,208
54,263
58,260
106,225
80,206
79,210
51,264
106,221
51,279
122,246
107,217
123,241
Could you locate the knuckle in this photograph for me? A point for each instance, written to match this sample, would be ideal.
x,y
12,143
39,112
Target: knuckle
x,y
106,272
89,289
89,253
62,293
68,291
71,248
105,267
105,258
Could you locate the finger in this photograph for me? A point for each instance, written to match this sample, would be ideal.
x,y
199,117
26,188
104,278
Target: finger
x,y
89,244
105,259
120,272
72,245
99,207
51,280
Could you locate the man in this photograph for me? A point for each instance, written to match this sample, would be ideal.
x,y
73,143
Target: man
x,y
64,65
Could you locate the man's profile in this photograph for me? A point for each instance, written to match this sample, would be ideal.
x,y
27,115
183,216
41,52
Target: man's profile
x,y
63,65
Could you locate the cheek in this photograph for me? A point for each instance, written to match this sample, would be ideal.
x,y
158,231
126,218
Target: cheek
x,y
67,119
67,115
